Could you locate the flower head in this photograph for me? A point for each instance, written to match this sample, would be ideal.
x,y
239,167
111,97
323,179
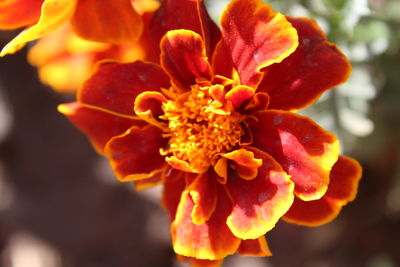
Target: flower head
x,y
213,122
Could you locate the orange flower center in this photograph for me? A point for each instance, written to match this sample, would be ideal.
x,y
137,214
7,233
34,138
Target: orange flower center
x,y
200,128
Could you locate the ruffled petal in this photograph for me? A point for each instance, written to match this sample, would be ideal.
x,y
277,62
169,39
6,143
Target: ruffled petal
x,y
99,125
260,101
114,22
255,247
114,86
221,60
247,137
259,203
210,241
185,14
312,213
18,13
244,162
255,37
306,151
135,154
345,176
183,57
54,13
148,107
240,95
313,68
221,169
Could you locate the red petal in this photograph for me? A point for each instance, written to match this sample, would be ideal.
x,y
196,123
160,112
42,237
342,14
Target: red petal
x,y
306,151
260,101
18,13
240,95
245,163
99,125
259,203
345,176
185,14
183,57
256,37
113,22
247,137
210,241
312,213
148,107
204,195
255,247
174,184
150,102
135,154
313,68
222,61
114,86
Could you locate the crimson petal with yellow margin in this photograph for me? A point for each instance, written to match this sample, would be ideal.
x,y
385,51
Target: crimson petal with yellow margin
x,y
99,125
306,151
115,86
183,57
345,176
185,14
135,154
255,37
259,203
210,241
313,68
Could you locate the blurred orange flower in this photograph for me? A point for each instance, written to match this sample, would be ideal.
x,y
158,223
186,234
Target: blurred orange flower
x,y
213,123
115,22
64,59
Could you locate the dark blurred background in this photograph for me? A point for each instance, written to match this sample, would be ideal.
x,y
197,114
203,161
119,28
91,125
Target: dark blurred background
x,y
60,205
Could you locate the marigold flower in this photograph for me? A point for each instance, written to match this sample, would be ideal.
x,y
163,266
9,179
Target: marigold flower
x,y
213,123
116,22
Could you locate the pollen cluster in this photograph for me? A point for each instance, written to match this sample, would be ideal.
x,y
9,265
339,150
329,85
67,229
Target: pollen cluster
x,y
200,128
